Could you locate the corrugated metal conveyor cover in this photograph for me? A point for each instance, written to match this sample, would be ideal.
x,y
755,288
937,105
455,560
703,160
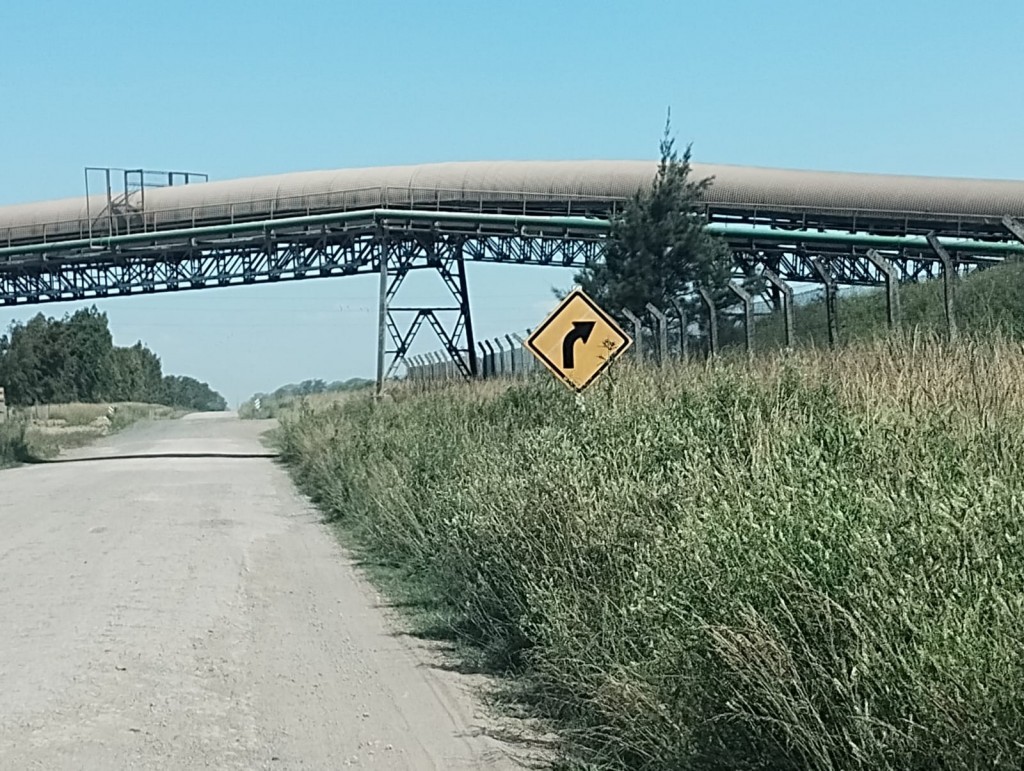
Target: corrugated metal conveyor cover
x,y
838,191
736,187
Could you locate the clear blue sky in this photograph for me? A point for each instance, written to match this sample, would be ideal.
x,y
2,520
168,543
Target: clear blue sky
x,y
238,89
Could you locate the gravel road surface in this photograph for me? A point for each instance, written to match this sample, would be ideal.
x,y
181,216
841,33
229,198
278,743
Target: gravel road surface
x,y
180,613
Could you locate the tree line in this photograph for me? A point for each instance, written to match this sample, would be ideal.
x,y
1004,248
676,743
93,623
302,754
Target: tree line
x,y
74,359
314,387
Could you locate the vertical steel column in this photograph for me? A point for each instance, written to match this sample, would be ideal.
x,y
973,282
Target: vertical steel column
x,y
638,334
110,207
748,316
382,311
787,302
466,315
709,302
892,293
948,275
830,300
662,320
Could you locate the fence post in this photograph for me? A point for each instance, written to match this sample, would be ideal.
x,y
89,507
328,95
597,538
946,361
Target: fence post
x,y
787,302
512,355
662,320
948,274
638,334
525,359
830,300
892,294
748,316
684,336
709,301
484,372
501,356
490,358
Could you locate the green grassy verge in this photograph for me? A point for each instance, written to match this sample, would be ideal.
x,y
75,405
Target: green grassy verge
x,y
808,562
983,301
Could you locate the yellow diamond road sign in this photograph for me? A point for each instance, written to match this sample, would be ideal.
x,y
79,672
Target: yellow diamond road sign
x,y
578,341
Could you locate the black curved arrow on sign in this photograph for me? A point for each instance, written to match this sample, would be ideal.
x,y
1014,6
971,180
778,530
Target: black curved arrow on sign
x,y
580,332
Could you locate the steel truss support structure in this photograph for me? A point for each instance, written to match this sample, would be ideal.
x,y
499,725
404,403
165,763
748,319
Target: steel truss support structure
x,y
852,268
452,323
349,243
291,252
398,248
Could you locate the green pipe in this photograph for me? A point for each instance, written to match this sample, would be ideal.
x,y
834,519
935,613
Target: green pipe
x,y
861,239
371,215
597,226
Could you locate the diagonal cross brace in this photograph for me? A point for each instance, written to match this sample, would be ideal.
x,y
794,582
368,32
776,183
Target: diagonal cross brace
x,y
1015,226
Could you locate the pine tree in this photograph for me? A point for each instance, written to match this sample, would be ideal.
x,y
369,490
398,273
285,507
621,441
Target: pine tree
x,y
658,249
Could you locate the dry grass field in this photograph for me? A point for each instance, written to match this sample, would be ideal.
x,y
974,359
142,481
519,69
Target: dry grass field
x,y
45,430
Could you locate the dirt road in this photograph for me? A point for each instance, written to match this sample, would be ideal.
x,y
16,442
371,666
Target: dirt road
x,y
181,613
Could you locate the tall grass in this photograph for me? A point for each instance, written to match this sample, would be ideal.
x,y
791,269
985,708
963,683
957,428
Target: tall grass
x,y
983,301
122,414
811,561
13,447
46,430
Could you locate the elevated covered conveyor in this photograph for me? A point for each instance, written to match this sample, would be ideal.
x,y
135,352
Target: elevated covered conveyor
x,y
859,229
869,203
